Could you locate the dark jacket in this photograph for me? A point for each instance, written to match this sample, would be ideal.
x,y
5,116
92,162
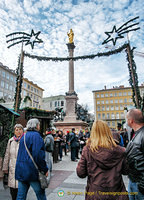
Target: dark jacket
x,y
49,143
25,169
135,158
104,169
73,139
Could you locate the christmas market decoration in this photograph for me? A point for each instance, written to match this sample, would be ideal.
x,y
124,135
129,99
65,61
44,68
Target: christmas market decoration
x,y
116,34
92,56
31,38
133,80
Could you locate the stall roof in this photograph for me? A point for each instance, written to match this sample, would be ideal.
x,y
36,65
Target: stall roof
x,y
10,110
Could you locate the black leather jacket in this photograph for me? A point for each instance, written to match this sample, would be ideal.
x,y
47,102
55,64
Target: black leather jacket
x,y
135,158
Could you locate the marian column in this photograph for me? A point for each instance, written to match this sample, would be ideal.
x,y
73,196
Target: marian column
x,y
71,96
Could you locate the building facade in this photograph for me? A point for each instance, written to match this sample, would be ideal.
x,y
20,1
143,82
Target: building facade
x,y
53,102
7,83
109,103
34,92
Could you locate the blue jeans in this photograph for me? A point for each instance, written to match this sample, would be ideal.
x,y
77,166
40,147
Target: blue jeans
x,y
133,188
23,190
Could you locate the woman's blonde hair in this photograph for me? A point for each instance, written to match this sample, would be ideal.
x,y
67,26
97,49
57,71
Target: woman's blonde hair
x,y
101,136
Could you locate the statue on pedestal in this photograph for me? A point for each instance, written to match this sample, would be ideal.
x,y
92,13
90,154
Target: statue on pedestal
x,y
71,36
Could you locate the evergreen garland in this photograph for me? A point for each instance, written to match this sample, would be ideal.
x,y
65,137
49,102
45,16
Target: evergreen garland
x,y
19,72
44,58
135,77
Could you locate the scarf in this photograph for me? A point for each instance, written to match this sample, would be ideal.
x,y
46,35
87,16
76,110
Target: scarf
x,y
17,138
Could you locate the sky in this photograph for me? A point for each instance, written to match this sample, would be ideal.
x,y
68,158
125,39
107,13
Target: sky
x,y
89,20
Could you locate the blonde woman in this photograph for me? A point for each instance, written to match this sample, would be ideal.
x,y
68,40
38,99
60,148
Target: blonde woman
x,y
103,162
10,159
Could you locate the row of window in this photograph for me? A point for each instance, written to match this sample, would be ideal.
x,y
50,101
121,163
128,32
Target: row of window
x,y
111,116
35,105
29,87
7,86
6,96
107,108
116,94
114,101
57,103
8,76
25,93
113,123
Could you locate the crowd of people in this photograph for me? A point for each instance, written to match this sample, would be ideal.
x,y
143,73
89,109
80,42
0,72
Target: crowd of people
x,y
103,155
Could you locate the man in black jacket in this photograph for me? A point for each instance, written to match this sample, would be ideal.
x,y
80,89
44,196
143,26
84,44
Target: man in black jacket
x,y
135,155
73,144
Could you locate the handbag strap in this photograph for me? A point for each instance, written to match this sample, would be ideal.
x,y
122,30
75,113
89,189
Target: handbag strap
x,y
30,153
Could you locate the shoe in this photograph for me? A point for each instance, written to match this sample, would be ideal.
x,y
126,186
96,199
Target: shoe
x,y
75,160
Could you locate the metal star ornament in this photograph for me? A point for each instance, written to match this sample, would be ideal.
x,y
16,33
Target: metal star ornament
x,y
34,39
113,36
24,37
116,34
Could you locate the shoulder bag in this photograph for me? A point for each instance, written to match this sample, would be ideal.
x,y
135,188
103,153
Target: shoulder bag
x,y
42,177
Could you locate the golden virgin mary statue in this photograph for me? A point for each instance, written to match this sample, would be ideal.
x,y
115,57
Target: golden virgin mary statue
x,y
71,36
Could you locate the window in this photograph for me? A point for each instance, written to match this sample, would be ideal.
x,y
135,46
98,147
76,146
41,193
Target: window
x,y
3,73
111,94
24,93
98,95
7,76
121,100
103,108
125,94
2,84
98,108
117,107
125,100
120,94
117,115
121,107
113,123
25,85
28,86
55,103
107,108
99,116
58,103
98,102
115,94
6,86
11,78
108,116
103,115
108,123
116,100
106,101
111,101
31,88
33,104
112,107
34,90
102,102
102,95
129,93
62,103
112,116
130,100
106,95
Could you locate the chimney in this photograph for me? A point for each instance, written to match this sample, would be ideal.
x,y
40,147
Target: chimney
x,y
105,87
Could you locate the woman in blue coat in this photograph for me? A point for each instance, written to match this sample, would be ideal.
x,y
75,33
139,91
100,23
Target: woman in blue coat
x,y
26,173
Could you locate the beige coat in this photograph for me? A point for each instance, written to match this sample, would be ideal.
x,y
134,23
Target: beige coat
x,y
9,162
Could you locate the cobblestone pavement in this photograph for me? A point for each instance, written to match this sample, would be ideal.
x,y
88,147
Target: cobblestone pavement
x,y
63,181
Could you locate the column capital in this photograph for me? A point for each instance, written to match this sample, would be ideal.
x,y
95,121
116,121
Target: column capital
x,y
70,46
